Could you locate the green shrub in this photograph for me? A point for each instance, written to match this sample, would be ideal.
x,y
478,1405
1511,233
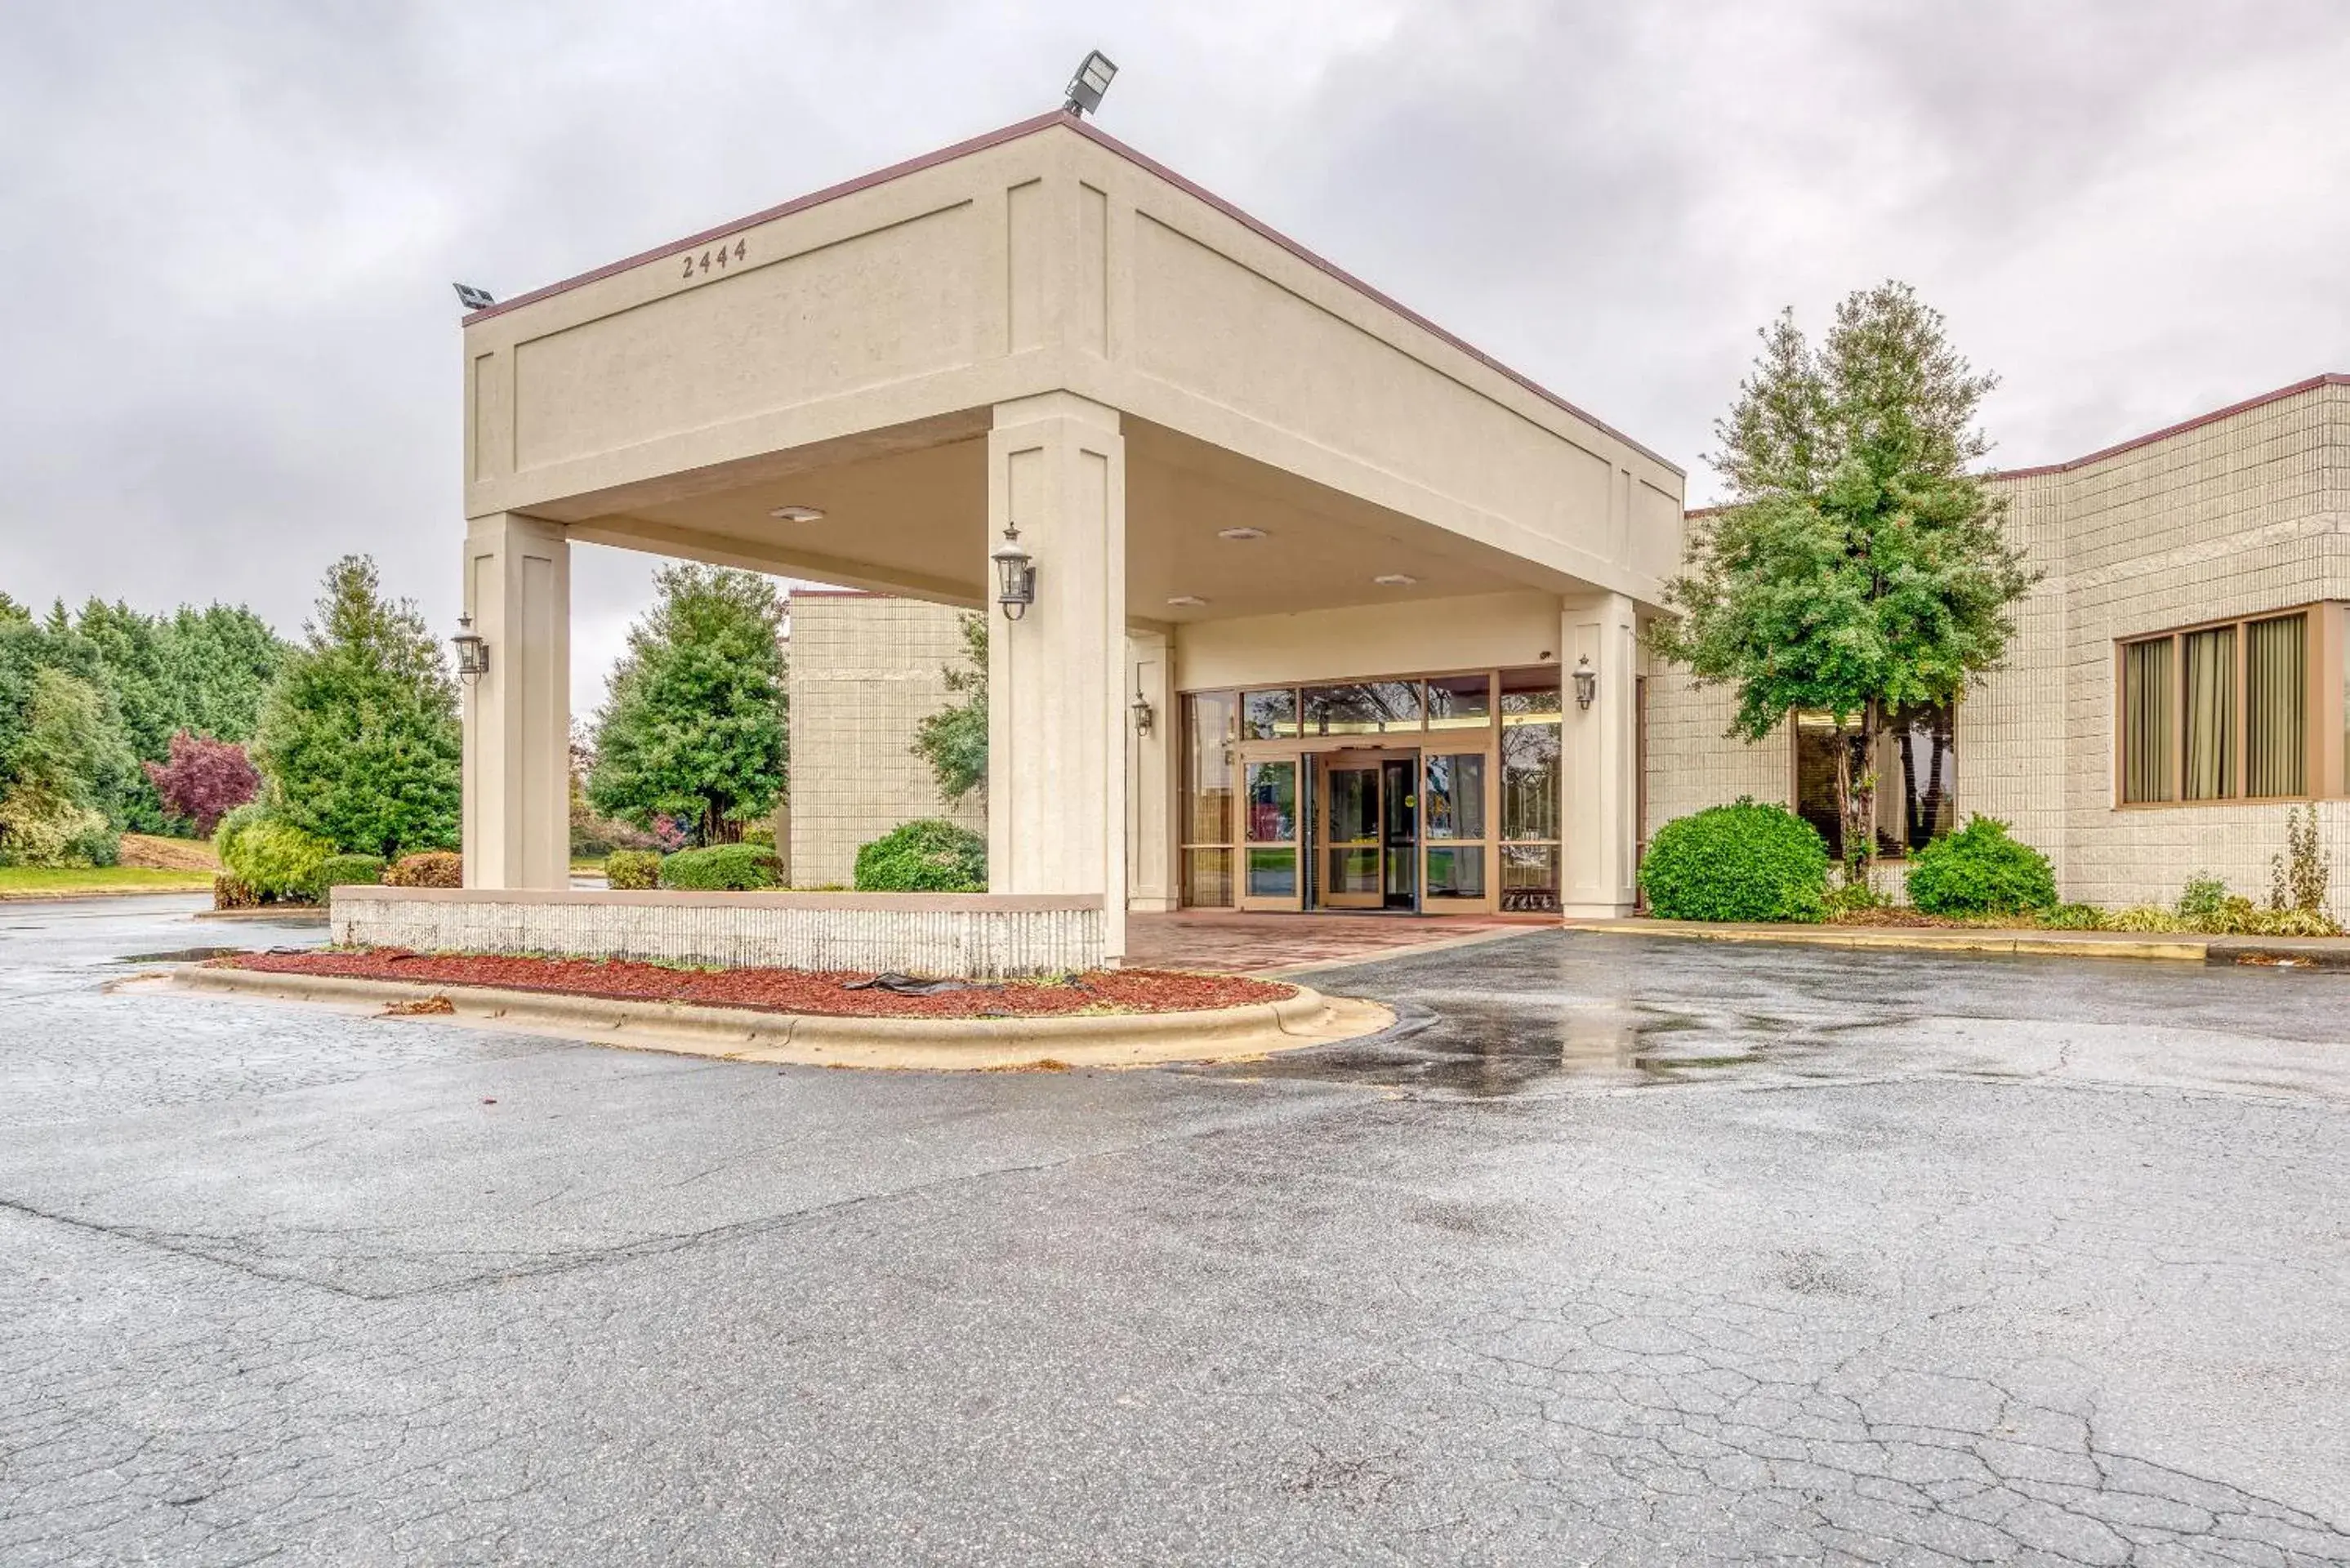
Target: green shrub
x,y
633,870
2073,918
1741,862
1980,870
721,868
350,871
270,856
2202,899
2240,917
428,869
932,855
98,844
2143,918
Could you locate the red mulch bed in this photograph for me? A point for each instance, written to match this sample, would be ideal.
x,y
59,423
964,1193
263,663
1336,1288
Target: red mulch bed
x,y
781,989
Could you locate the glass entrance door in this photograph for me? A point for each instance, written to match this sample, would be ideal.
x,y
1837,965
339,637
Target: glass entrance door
x,y
1352,861
1367,812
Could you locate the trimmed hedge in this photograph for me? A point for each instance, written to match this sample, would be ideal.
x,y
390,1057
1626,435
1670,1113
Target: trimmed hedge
x,y
350,871
721,868
931,855
633,870
273,858
1981,869
1741,862
431,868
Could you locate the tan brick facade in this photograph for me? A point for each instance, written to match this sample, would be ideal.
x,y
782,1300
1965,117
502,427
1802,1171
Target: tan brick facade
x,y
865,670
2244,511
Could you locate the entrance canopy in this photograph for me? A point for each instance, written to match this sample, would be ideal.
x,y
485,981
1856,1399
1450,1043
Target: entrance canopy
x,y
1194,424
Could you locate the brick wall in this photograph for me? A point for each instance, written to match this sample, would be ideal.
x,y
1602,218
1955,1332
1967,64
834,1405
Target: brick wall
x,y
865,670
2242,513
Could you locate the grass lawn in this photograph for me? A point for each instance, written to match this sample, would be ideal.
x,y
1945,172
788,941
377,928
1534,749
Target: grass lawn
x,y
31,882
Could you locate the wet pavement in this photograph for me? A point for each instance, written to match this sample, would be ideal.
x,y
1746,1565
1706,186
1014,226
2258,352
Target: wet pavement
x,y
1615,1250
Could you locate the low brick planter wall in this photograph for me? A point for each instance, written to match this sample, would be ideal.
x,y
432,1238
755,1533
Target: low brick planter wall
x,y
969,936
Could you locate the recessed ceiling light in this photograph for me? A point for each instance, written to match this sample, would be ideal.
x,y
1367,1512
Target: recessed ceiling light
x,y
1394,580
1185,602
798,513
1240,533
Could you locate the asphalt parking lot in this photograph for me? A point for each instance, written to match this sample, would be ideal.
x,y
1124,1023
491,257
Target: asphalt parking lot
x,y
1618,1250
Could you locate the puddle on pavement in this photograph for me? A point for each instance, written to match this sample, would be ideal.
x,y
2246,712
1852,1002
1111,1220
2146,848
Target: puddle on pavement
x,y
1487,1052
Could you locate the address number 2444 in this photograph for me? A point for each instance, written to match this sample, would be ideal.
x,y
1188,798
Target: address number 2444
x,y
717,258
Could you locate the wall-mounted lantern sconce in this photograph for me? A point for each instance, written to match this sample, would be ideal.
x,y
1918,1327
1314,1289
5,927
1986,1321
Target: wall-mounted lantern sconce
x,y
1015,573
473,653
1587,681
1145,715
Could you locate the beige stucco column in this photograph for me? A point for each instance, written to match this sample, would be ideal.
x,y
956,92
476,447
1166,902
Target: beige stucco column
x,y
1150,771
1056,721
518,715
1600,826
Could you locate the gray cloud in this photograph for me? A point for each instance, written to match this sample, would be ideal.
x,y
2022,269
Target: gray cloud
x,y
226,231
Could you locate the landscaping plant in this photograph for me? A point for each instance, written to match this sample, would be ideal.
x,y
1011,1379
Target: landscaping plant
x,y
2298,877
953,740
696,722
427,868
359,740
274,858
1860,568
929,855
350,871
1981,869
722,868
202,780
633,870
1740,862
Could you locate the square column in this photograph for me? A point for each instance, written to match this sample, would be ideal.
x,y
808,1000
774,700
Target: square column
x,y
517,811
1150,774
1056,700
1600,826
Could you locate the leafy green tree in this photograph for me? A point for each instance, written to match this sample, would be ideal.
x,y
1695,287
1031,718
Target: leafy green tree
x,y
1860,568
62,749
953,740
223,659
695,723
359,740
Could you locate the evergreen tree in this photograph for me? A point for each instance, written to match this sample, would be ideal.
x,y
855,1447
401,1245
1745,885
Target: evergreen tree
x,y
92,768
1860,568
358,738
695,723
953,740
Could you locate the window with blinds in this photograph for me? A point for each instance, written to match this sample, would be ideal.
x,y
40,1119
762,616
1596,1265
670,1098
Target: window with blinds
x,y
2218,713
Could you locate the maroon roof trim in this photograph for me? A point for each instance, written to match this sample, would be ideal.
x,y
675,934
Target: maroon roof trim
x,y
1140,160
2181,428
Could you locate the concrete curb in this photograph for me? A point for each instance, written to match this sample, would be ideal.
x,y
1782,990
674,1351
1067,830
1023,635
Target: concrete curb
x,y
1309,1018
77,895
283,914
2175,948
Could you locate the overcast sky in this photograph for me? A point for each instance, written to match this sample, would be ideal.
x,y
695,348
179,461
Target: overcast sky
x,y
229,352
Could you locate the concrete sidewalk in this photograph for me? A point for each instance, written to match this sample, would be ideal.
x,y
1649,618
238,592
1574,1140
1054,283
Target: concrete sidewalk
x,y
2178,947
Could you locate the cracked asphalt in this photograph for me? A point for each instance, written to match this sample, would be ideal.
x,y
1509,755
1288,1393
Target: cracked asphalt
x,y
1615,1250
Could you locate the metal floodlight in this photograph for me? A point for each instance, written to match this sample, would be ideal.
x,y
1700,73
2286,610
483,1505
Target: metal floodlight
x,y
1587,681
474,298
473,653
1015,573
1092,80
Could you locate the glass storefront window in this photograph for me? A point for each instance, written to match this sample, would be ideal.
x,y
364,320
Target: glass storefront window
x,y
1529,692
1529,876
1453,805
1207,724
1362,708
1269,715
1272,805
1530,780
1461,703
1207,878
1456,871
1273,873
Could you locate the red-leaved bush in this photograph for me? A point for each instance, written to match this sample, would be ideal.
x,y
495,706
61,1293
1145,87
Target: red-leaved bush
x,y
203,780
